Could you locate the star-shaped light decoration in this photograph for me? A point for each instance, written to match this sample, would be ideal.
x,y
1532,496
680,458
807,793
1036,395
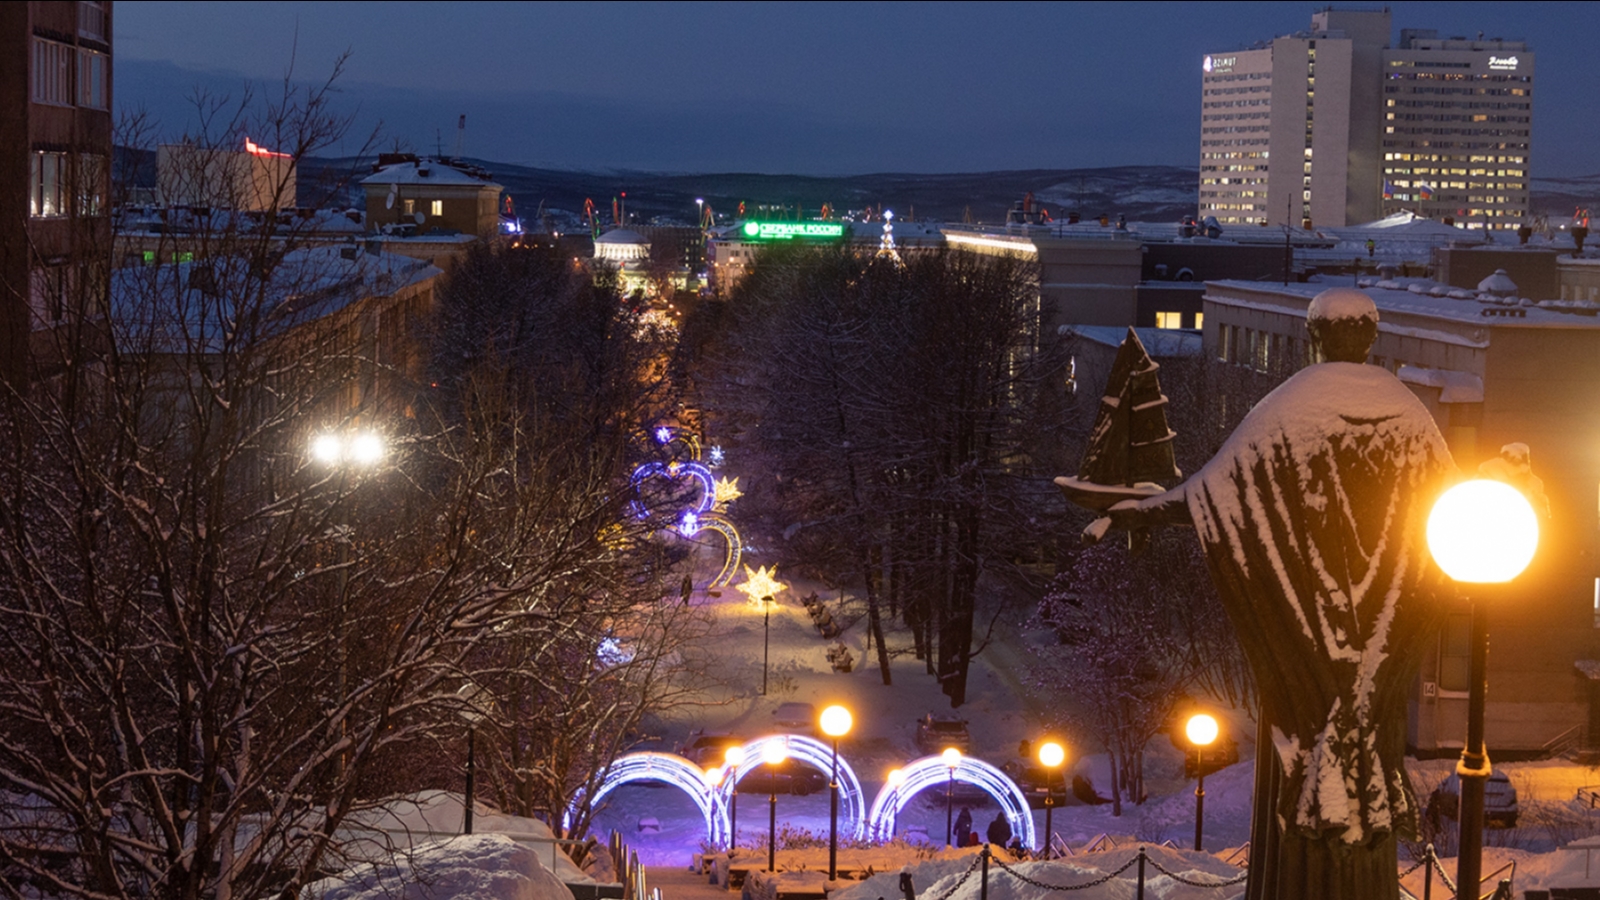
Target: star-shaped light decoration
x,y
760,584
727,491
715,455
663,434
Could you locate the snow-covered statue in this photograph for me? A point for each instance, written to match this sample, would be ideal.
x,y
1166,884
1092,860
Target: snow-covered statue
x,y
1312,516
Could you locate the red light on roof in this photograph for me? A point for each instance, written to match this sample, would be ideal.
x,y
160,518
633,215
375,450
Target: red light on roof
x,y
255,149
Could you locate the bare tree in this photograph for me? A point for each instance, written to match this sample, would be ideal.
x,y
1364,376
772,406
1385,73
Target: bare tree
x,y
894,406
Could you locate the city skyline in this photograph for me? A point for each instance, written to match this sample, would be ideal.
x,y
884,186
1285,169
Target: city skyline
x,y
819,89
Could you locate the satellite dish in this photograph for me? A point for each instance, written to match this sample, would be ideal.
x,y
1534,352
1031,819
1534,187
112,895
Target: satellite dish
x,y
418,217
388,202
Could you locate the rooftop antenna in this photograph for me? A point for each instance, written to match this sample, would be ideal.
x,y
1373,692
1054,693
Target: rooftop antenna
x,y
461,136
438,142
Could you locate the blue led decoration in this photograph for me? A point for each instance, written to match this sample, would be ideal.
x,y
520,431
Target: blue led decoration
x,y
649,765
932,772
852,800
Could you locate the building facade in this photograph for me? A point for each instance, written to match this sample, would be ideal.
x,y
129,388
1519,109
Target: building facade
x,y
1336,126
407,194
1457,122
55,171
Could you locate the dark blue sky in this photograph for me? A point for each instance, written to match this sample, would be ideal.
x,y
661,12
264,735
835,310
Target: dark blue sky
x,y
816,88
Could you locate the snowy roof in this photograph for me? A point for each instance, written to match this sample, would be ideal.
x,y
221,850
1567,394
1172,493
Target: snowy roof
x,y
426,171
1418,297
1454,387
1158,342
193,306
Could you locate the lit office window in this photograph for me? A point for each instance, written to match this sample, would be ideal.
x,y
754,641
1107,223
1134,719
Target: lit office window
x,y
438,208
1169,320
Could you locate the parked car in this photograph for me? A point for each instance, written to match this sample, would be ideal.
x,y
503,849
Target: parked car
x,y
1500,806
796,718
708,748
935,733
1033,778
789,777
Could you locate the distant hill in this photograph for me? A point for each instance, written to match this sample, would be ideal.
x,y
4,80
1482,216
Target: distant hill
x,y
1141,193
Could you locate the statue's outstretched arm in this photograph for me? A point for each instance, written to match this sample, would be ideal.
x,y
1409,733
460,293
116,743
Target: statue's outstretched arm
x,y
1167,508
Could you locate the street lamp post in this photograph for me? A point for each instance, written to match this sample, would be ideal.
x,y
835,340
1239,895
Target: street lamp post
x,y
1051,756
1479,532
836,723
766,640
952,758
762,588
472,712
733,758
773,756
1201,729
344,452
897,777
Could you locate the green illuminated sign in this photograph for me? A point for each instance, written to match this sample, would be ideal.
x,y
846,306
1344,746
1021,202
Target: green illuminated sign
x,y
783,231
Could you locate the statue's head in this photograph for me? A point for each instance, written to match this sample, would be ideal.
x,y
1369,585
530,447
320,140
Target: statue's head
x,y
1343,323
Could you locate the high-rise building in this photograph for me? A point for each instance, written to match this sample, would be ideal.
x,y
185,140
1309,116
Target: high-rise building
x,y
55,169
1331,126
1457,117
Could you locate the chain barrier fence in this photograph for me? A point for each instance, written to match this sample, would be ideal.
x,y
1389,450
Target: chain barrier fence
x,y
1429,863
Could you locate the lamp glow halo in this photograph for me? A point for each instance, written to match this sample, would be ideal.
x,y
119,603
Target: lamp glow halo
x,y
650,765
931,771
815,753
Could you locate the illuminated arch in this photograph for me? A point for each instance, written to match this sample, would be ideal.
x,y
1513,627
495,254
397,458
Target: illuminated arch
x,y
708,484
931,771
852,800
650,765
691,525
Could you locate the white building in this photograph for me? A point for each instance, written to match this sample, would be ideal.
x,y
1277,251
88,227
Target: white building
x,y
1319,128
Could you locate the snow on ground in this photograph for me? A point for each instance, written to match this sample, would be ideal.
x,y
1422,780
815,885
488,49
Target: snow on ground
x,y
466,867
404,824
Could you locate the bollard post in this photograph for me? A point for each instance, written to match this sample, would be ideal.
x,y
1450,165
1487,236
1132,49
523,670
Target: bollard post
x,y
1140,894
1427,873
983,889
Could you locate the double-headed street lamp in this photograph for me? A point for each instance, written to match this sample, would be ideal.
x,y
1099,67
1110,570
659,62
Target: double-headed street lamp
x,y
1479,532
952,758
1051,756
1202,730
836,723
773,755
344,453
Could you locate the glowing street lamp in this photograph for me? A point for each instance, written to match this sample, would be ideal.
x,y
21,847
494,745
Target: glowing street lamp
x,y
897,777
773,755
733,758
1202,730
1479,532
762,588
1051,756
952,758
836,722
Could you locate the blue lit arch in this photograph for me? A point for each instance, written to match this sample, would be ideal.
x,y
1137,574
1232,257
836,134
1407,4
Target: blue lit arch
x,y
650,765
852,800
931,771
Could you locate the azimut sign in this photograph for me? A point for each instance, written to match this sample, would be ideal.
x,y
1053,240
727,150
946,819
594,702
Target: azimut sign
x,y
1503,63
1218,64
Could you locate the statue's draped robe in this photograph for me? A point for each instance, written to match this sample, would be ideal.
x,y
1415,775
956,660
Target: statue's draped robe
x,y
1313,516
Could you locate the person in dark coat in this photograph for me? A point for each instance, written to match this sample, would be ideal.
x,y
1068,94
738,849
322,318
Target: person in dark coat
x,y
963,826
1000,830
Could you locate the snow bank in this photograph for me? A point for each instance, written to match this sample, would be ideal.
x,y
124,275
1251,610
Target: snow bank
x,y
403,824
933,878
468,867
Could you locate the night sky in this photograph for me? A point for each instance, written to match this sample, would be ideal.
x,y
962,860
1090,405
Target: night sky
x,y
814,88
